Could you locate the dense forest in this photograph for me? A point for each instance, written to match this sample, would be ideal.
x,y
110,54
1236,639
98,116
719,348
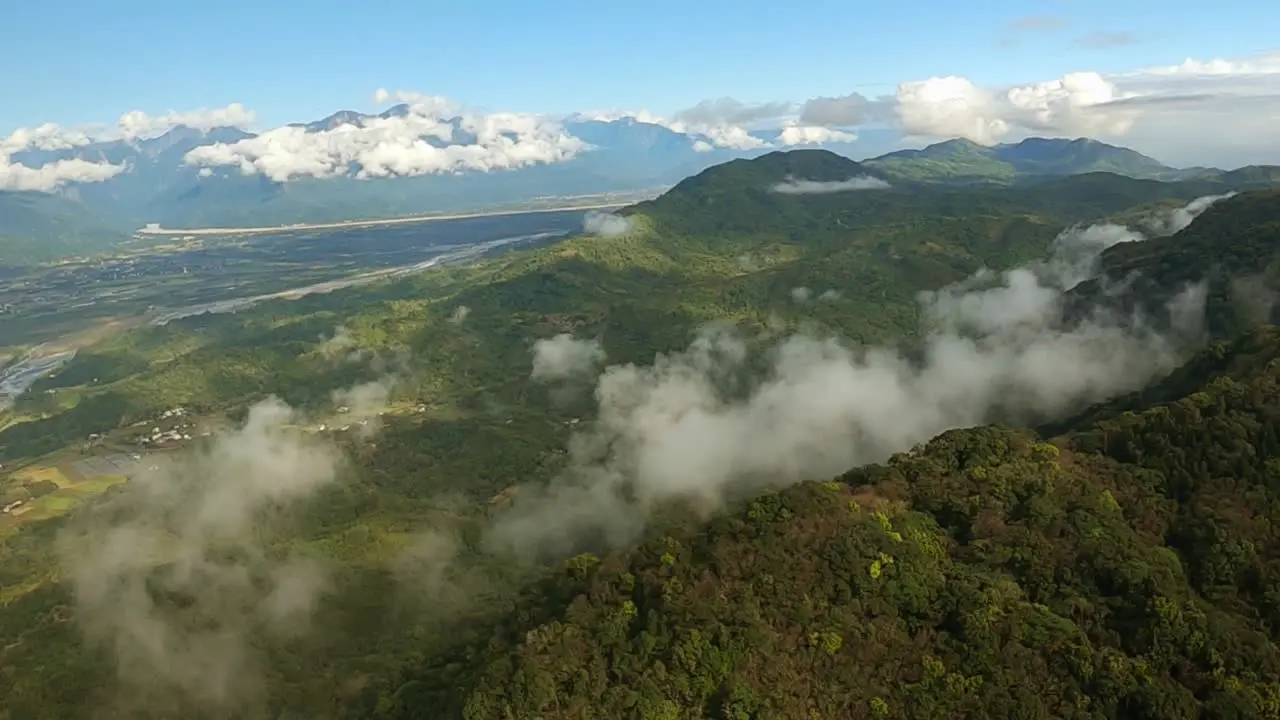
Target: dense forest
x,y
1129,568
1062,544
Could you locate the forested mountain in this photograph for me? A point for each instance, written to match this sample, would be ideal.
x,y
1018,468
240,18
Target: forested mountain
x,y
797,439
723,245
1127,568
1121,565
964,160
38,227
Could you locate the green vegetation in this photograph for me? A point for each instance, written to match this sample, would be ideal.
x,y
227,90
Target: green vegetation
x,y
39,228
1034,159
1126,570
719,247
965,160
1117,564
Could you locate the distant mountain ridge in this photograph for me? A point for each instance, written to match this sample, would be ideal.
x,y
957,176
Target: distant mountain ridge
x,y
965,160
625,154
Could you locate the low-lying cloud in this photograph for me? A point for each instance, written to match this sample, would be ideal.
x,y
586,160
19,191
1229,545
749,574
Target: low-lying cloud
x,y
813,135
175,572
605,224
564,356
186,573
459,314
793,186
342,345
1170,222
364,403
702,425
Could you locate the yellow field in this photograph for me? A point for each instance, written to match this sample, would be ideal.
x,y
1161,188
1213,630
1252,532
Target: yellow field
x,y
40,473
68,495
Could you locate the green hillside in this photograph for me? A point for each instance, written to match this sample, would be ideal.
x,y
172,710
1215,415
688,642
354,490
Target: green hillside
x,y
721,247
961,160
948,160
1127,569
1118,564
39,227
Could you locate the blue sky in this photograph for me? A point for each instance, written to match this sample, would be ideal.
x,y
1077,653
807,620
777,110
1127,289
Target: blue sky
x,y
293,61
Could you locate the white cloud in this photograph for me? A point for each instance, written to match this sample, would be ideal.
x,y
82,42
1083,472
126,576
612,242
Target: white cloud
x,y
564,356
1173,221
424,140
1068,105
131,126
949,107
605,224
793,186
1264,64
137,123
1159,110
813,135
194,528
641,116
1216,112
732,137
49,136
51,176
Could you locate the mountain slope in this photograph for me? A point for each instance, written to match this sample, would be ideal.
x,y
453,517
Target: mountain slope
x,y
740,196
1128,569
39,227
986,574
1233,248
719,247
967,161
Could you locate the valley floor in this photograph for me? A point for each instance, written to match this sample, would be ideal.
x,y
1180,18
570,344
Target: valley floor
x,y
613,201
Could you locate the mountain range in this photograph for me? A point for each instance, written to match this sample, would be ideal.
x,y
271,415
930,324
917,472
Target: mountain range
x,y
160,186
778,525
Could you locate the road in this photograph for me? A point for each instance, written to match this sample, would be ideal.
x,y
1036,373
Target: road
x,y
345,224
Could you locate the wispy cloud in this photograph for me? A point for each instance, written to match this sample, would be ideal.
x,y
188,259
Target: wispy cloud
x,y
1105,40
1036,23
605,224
793,186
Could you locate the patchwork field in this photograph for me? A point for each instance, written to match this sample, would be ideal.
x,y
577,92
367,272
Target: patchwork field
x,y
40,492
